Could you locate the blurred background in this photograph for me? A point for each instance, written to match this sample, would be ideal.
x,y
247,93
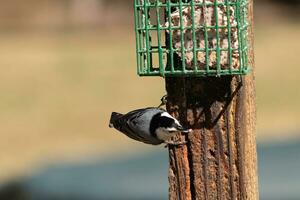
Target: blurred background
x,y
66,64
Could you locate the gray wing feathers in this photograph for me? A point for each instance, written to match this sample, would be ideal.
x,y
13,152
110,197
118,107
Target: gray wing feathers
x,y
131,123
119,122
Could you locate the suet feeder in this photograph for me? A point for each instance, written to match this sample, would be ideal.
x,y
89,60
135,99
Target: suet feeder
x,y
191,37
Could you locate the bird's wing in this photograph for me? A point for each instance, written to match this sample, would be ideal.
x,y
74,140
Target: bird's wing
x,y
127,124
131,120
137,113
122,125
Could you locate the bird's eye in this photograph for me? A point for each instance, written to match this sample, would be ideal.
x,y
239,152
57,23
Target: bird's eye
x,y
172,130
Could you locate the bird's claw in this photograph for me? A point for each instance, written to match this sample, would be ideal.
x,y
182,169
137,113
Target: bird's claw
x,y
174,143
163,101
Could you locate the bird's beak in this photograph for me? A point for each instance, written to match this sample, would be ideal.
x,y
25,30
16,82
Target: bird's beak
x,y
181,129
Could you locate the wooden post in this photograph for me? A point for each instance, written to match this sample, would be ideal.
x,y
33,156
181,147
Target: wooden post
x,y
219,160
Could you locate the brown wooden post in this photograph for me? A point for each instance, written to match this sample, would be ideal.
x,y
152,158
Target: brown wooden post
x,y
219,159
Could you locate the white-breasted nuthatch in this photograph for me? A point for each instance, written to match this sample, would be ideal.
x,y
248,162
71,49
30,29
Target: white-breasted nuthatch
x,y
149,125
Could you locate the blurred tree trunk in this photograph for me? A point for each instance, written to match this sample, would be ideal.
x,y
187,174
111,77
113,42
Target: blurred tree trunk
x,y
219,160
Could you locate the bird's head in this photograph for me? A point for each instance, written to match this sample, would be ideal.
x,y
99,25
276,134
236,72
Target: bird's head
x,y
165,126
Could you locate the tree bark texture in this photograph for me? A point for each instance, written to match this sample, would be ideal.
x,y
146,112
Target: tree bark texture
x,y
219,160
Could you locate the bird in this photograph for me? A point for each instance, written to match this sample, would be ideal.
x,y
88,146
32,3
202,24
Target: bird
x,y
150,125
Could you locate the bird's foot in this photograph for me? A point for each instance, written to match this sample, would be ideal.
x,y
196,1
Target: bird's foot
x,y
163,101
174,143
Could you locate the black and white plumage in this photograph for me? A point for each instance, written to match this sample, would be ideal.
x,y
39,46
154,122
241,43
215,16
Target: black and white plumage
x,y
149,125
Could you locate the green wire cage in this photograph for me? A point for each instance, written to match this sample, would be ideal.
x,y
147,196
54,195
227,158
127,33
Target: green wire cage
x,y
191,37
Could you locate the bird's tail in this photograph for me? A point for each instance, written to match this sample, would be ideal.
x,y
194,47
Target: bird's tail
x,y
114,116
